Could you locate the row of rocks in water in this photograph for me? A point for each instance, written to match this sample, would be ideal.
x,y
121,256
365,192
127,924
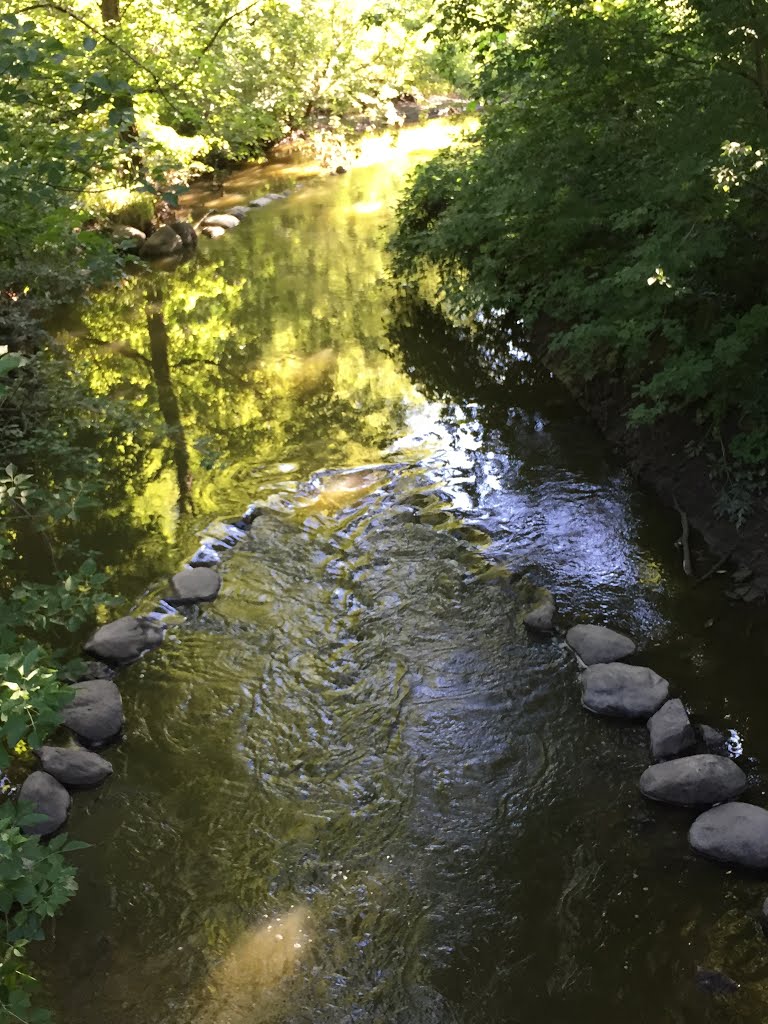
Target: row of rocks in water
x,y
181,236
94,715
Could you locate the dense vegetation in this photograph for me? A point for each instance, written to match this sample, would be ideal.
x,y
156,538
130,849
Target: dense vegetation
x,y
615,201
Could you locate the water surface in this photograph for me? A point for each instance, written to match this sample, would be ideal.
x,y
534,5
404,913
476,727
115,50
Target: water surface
x,y
353,789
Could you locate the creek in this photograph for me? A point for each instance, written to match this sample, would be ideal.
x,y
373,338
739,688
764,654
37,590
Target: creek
x,y
353,789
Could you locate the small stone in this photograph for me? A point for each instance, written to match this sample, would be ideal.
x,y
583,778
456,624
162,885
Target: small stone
x,y
623,691
191,586
212,231
241,212
222,220
73,766
261,201
735,833
541,619
671,731
204,557
95,714
46,796
277,195
695,780
341,169
124,640
598,645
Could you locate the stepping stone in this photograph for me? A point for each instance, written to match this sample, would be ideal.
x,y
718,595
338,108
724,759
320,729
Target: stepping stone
x,y
48,797
695,780
598,645
73,766
124,640
221,220
191,586
671,731
623,691
714,741
241,212
735,833
213,230
261,201
95,714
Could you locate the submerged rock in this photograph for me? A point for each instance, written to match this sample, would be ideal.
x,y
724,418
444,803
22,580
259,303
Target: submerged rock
x,y
671,731
46,796
542,617
623,691
95,714
716,982
191,586
124,640
598,645
163,242
736,833
73,766
690,781
221,220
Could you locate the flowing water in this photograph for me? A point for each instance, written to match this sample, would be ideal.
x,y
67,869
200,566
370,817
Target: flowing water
x,y
353,789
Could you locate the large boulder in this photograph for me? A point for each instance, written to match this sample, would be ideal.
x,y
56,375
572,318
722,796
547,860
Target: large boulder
x,y
623,691
124,640
221,220
190,586
48,797
129,239
73,766
693,781
597,645
163,242
95,713
735,833
671,731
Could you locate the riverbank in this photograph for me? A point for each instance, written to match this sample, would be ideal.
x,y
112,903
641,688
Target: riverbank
x,y
669,458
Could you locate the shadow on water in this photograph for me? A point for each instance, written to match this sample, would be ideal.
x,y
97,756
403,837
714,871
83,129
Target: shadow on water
x,y
353,789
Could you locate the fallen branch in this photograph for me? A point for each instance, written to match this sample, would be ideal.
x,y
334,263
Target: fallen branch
x,y
718,565
685,541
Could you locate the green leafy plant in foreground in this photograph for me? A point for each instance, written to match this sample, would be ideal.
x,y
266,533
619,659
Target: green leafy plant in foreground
x,y
35,883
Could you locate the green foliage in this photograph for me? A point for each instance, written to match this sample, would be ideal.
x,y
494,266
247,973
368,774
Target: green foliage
x,y
35,883
615,199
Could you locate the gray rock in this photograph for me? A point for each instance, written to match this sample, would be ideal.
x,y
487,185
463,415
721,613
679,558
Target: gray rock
x,y
241,212
73,766
46,796
221,220
713,741
95,713
212,231
163,242
598,645
124,232
124,640
186,233
193,585
764,916
695,780
623,691
671,731
736,833
277,195
541,619
261,201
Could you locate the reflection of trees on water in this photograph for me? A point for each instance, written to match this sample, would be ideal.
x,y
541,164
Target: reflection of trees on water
x,y
159,344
